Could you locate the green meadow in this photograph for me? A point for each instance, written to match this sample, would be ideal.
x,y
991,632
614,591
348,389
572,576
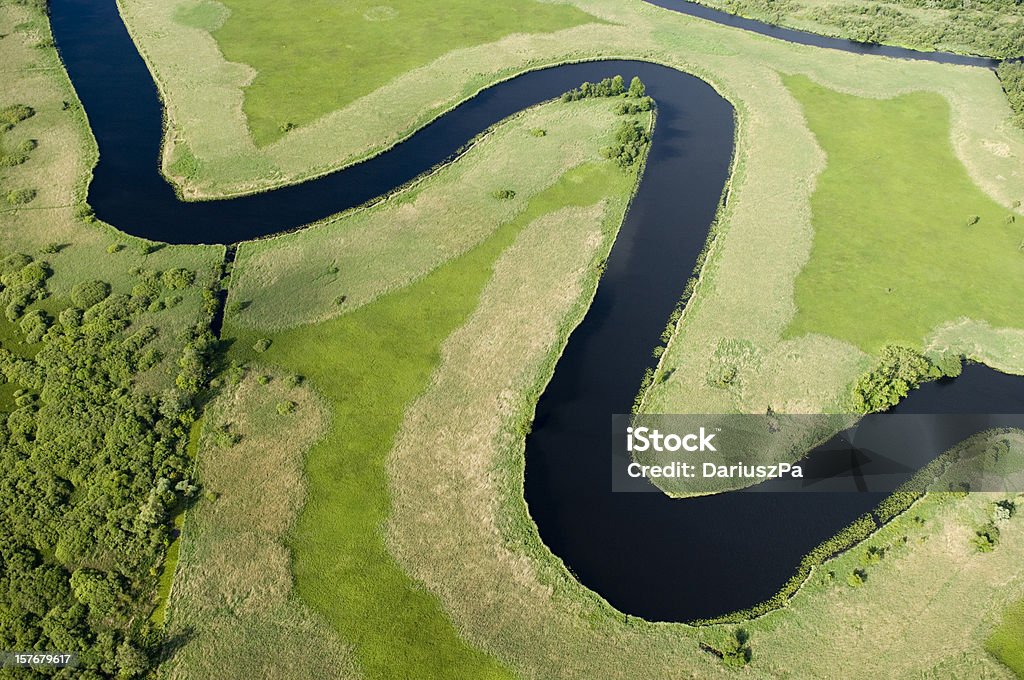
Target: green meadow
x,y
317,59
369,365
904,240
1007,641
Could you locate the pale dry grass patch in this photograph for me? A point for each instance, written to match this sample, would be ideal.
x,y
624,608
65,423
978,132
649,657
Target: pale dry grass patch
x,y
232,612
1000,348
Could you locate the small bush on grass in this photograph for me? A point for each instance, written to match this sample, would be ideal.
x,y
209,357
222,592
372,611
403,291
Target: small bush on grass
x,y
21,196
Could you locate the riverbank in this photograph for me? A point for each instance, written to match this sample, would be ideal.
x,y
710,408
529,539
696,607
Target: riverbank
x,y
991,30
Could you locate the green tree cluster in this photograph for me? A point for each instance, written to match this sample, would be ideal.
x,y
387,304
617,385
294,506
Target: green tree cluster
x,y
609,87
898,370
91,470
631,139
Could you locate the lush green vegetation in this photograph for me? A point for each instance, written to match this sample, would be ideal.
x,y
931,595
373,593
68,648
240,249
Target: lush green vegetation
x,y
93,468
991,27
369,364
1007,641
1011,75
312,62
897,371
903,239
631,140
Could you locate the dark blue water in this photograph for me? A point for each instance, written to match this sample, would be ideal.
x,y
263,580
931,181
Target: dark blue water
x,y
647,554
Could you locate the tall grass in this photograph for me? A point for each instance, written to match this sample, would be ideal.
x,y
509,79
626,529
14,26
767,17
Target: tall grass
x,y
370,364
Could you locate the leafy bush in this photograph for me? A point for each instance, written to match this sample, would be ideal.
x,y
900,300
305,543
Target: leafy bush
x,y
629,107
14,114
261,345
737,652
34,325
949,365
1003,511
504,194
89,293
225,437
21,196
286,407
872,555
631,139
176,279
986,538
899,370
637,88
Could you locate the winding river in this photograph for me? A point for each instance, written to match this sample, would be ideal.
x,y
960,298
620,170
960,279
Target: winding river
x,y
647,554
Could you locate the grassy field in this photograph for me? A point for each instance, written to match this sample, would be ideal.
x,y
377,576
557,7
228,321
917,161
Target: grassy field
x,y
903,239
1007,641
369,364
994,28
328,54
364,253
209,150
468,586
233,612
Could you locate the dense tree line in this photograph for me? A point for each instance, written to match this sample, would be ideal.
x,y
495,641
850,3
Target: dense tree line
x,y
1011,75
609,87
91,466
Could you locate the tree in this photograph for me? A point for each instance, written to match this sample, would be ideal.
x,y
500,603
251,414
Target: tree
x,y
637,88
